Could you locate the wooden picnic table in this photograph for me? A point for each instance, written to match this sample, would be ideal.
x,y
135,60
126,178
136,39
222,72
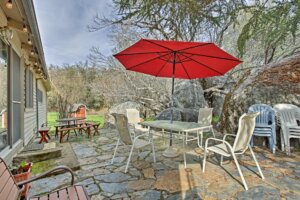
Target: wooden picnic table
x,y
71,119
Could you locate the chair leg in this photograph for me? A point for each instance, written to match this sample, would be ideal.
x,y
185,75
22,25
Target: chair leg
x,y
257,165
221,161
129,158
186,137
184,159
288,147
204,160
153,150
115,152
240,171
212,130
282,140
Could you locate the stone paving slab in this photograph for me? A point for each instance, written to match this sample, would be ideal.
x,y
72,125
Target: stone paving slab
x,y
168,179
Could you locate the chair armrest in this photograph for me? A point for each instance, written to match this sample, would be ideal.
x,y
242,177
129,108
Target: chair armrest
x,y
218,140
225,136
56,169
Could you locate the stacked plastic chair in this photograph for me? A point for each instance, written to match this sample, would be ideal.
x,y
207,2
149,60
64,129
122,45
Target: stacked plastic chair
x,y
265,124
289,117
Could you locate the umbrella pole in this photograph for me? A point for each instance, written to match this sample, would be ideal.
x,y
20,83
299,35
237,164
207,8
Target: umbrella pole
x,y
171,152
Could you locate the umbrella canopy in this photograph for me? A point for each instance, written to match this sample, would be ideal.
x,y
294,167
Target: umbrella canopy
x,y
186,60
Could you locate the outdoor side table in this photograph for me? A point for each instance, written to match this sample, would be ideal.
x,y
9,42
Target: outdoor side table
x,y
44,134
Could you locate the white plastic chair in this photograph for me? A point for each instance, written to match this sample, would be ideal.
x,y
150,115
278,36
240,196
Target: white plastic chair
x,y
287,115
204,119
241,144
125,138
133,116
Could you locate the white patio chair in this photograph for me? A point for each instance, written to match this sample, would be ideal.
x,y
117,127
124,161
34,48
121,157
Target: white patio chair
x,y
204,119
241,144
287,115
125,138
133,116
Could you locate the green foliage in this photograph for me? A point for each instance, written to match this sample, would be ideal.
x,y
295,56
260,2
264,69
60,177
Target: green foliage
x,y
216,119
271,23
23,164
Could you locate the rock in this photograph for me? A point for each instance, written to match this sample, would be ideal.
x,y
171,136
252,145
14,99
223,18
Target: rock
x,y
270,84
92,189
99,171
179,114
217,104
49,184
190,194
178,180
141,164
115,188
113,177
140,184
121,109
189,94
166,114
259,192
83,151
149,173
146,195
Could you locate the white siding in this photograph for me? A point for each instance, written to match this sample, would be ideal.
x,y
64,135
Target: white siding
x,y
42,107
30,127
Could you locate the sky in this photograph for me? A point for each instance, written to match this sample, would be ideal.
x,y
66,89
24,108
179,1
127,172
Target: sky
x,y
63,29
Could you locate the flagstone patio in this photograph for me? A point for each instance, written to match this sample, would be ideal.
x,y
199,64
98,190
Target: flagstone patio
x,y
168,179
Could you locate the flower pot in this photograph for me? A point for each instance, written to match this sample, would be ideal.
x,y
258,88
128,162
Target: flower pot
x,y
24,176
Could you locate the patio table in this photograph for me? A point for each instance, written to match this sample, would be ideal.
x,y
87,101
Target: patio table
x,y
183,128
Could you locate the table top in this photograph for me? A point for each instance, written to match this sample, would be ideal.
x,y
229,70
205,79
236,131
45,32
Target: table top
x,y
43,129
174,126
70,119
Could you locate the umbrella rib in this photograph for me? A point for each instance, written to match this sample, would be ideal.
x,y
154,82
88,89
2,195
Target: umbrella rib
x,y
204,65
194,54
130,68
159,45
163,67
199,45
128,54
184,69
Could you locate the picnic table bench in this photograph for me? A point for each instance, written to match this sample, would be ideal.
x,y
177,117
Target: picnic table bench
x,y
95,126
66,131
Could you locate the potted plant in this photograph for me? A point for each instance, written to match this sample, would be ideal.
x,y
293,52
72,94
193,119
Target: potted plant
x,y
22,173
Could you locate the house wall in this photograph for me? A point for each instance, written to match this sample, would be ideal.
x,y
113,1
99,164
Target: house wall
x,y
30,116
42,106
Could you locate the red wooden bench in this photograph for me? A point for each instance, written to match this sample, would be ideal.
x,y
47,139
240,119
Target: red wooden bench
x,y
10,190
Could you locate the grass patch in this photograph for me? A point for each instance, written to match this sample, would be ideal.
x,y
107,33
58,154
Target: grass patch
x,y
42,166
53,116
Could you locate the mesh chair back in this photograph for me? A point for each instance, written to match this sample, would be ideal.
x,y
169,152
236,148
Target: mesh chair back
x,y
205,116
133,116
122,127
245,131
287,114
266,116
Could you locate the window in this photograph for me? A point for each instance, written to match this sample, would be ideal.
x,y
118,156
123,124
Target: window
x,y
40,95
29,89
3,94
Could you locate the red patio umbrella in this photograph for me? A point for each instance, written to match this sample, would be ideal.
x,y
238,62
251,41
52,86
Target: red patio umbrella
x,y
185,60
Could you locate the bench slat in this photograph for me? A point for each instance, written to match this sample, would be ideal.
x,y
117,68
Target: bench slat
x,y
80,192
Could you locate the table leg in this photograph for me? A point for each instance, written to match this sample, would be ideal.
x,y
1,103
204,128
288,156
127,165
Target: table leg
x,y
43,137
